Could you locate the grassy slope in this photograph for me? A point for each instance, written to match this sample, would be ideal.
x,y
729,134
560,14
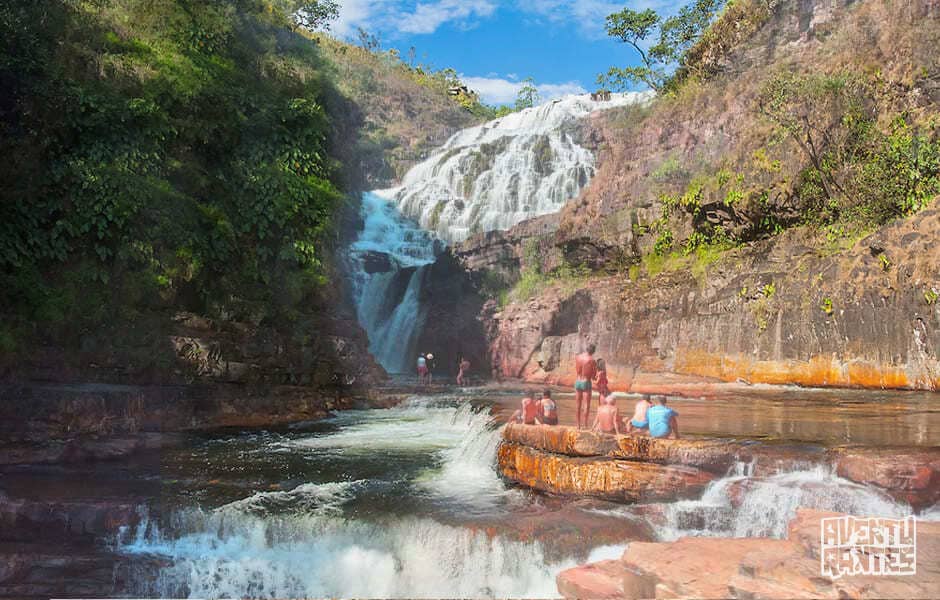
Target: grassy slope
x,y
706,156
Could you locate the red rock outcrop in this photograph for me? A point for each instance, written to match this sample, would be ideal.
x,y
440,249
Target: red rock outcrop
x,y
610,479
747,568
778,310
908,474
566,460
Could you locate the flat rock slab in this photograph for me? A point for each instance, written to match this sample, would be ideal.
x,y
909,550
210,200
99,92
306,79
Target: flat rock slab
x,y
748,568
607,478
908,474
561,440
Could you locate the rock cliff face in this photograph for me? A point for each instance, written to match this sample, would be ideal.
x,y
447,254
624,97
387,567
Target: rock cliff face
x,y
837,320
564,460
783,308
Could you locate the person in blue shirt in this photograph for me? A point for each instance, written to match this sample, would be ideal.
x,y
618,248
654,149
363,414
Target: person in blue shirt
x,y
662,419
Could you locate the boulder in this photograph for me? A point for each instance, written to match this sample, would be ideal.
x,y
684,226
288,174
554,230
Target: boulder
x,y
748,568
561,440
715,456
610,479
908,474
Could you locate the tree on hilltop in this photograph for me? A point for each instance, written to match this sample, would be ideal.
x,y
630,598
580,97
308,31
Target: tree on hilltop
x,y
676,34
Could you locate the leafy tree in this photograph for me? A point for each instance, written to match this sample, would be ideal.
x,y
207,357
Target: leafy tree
x,y
528,95
316,15
676,34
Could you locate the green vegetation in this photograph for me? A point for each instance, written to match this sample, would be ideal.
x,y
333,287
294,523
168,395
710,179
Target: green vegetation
x,y
930,296
535,277
826,305
674,35
859,174
167,156
528,95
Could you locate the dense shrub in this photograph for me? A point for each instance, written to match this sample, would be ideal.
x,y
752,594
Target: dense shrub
x,y
159,152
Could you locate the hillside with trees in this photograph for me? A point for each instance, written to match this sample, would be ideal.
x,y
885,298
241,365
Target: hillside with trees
x,y
187,158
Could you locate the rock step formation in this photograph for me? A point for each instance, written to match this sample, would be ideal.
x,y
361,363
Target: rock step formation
x,y
747,568
610,479
564,460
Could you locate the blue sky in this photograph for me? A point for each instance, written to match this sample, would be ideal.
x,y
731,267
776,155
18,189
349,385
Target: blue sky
x,y
494,44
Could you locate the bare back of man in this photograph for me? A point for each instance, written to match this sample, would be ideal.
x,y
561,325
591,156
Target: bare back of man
x,y
586,369
608,418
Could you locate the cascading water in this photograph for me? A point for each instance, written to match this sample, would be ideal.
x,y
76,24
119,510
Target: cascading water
x,y
741,505
500,173
389,263
312,541
487,177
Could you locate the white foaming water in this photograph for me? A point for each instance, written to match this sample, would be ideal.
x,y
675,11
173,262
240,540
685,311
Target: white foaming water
x,y
487,177
500,173
237,554
297,543
389,263
308,498
765,506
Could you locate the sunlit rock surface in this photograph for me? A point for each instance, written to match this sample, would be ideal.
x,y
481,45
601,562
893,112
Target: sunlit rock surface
x,y
627,468
611,479
747,568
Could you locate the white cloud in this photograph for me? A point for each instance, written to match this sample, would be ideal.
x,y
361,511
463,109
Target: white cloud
x,y
428,16
497,90
353,14
397,16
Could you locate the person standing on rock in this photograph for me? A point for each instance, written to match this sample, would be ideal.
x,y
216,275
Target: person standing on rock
x,y
586,369
422,370
432,364
463,365
602,390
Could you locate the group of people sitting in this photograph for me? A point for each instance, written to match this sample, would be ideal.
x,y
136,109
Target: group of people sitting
x,y
650,417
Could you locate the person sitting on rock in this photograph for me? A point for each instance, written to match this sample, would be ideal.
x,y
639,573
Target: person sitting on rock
x,y
527,414
662,419
608,419
548,412
639,422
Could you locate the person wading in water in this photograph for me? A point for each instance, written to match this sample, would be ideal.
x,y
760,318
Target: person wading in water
x,y
586,369
463,365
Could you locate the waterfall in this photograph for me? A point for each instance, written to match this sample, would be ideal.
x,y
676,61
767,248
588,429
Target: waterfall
x,y
494,175
306,542
488,177
741,505
389,264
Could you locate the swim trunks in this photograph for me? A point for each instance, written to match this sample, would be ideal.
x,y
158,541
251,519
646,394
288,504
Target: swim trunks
x,y
582,385
550,420
639,424
422,370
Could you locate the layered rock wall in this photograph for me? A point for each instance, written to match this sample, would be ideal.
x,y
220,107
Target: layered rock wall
x,y
777,312
568,461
